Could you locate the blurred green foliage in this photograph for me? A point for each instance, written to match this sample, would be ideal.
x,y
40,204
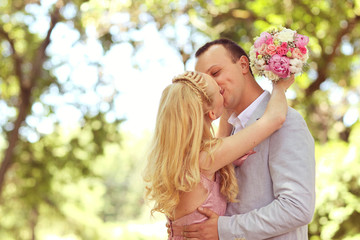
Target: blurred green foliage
x,y
85,183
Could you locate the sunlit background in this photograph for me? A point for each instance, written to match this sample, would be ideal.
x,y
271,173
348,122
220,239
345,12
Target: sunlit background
x,y
80,83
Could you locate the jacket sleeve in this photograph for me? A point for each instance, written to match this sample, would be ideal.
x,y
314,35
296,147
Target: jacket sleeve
x,y
292,170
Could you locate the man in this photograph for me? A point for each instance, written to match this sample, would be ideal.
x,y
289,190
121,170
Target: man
x,y
277,183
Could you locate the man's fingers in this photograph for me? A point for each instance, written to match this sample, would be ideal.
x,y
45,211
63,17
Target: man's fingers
x,y
191,228
207,212
191,235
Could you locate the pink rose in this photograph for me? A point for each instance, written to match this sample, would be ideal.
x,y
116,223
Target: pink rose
x,y
284,44
296,53
262,49
262,39
303,50
271,49
301,40
269,41
281,50
279,65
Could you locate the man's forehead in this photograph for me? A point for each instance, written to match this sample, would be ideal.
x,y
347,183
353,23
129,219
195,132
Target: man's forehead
x,y
214,56
200,66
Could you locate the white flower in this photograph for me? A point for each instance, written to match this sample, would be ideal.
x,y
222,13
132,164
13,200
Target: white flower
x,y
252,54
295,65
260,64
286,35
294,70
306,56
271,76
296,62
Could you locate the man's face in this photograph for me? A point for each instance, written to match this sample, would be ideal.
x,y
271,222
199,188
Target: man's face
x,y
216,62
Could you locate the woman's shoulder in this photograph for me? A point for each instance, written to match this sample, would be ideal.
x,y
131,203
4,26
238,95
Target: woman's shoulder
x,y
205,164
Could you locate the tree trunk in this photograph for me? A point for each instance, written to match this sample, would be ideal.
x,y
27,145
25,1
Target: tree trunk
x,y
14,134
26,85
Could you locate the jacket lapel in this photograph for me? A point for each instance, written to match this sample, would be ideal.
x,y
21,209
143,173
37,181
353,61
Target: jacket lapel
x,y
259,111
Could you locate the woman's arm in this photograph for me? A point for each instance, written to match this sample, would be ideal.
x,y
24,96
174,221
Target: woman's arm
x,y
225,128
234,146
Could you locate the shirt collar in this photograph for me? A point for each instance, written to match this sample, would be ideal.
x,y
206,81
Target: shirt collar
x,y
244,116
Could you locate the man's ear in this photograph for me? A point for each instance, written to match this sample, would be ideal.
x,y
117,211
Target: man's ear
x,y
212,115
244,64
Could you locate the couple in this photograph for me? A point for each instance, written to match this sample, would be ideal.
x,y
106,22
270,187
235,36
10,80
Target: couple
x,y
191,174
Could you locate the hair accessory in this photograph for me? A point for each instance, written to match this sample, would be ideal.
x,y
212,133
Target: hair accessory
x,y
195,81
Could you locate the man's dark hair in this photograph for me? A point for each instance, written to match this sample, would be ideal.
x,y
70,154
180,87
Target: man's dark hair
x,y
234,50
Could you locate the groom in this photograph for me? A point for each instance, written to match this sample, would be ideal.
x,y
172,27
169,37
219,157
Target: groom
x,y
276,184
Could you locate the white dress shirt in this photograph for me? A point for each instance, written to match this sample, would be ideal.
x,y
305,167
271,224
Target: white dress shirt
x,y
240,121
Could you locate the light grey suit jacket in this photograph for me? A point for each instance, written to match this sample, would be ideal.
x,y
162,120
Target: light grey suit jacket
x,y
276,185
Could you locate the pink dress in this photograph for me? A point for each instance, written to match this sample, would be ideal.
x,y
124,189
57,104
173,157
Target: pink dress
x,y
215,201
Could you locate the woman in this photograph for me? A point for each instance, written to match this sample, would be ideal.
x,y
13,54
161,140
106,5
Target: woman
x,y
187,166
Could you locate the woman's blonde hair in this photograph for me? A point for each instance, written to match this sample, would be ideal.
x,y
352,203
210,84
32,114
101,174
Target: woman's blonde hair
x,y
180,135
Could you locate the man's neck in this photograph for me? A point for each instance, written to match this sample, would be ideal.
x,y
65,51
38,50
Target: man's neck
x,y
249,97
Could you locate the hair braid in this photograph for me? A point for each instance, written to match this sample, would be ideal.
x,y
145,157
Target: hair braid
x,y
196,81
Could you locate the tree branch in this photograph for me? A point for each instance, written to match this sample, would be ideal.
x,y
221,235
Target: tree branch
x,y
323,70
26,85
16,58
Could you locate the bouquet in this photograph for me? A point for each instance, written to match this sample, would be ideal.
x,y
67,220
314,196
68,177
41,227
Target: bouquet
x,y
278,53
